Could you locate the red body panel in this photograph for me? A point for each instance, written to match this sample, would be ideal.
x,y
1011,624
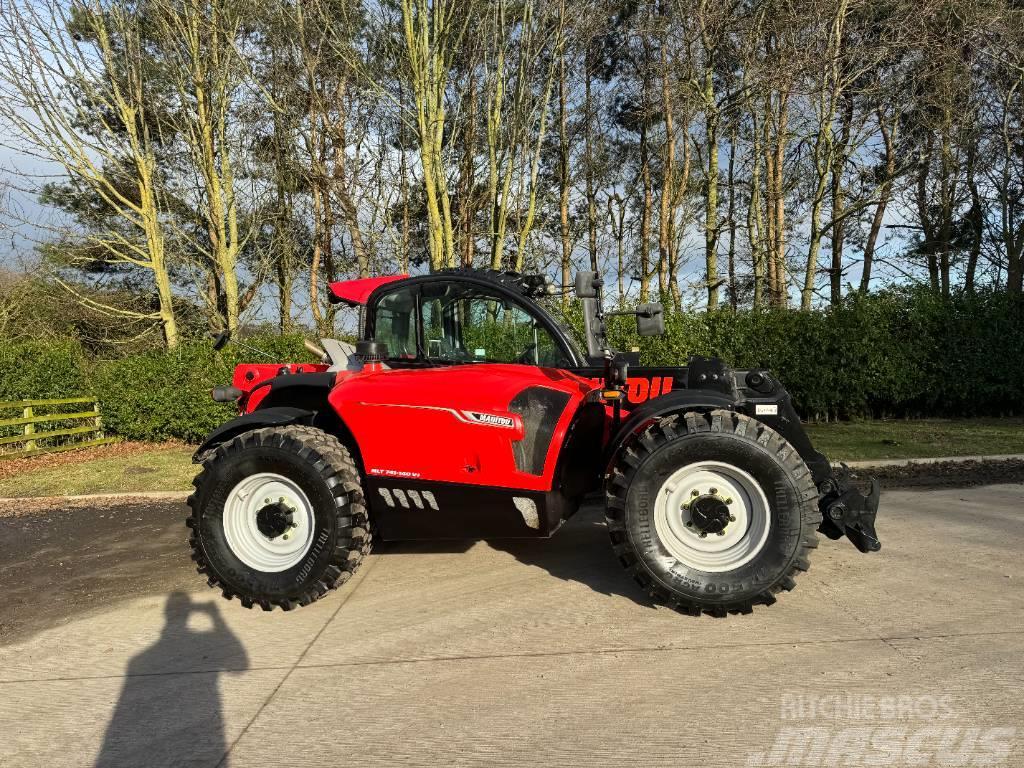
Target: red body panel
x,y
450,424
356,292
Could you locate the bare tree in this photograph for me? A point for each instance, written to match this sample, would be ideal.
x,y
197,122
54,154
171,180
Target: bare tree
x,y
74,93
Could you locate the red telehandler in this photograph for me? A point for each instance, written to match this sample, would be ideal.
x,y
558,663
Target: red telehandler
x,y
468,411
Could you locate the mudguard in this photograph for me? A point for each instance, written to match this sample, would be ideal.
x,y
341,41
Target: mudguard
x,y
676,401
265,417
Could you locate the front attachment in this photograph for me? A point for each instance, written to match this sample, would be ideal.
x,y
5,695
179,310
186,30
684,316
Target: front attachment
x,y
847,511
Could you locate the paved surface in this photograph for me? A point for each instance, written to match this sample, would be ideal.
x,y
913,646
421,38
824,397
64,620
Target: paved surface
x,y
525,654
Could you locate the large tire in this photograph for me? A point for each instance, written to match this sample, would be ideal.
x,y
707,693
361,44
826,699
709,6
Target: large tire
x,y
656,531
288,554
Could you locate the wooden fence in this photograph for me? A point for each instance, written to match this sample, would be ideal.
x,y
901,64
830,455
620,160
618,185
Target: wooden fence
x,y
24,433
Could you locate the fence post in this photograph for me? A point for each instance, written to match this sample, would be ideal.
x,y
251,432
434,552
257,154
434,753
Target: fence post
x,y
98,421
30,429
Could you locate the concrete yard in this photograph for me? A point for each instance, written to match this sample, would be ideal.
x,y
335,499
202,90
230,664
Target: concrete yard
x,y
114,652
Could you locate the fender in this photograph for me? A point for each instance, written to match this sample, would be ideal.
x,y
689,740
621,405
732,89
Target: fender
x,y
264,417
304,390
675,401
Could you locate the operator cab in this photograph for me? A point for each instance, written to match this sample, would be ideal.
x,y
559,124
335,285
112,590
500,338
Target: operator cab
x,y
462,319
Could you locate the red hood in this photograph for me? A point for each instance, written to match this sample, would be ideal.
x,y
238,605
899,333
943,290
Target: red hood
x,y
356,292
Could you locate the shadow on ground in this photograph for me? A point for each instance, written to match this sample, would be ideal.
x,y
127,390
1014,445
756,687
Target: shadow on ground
x,y
581,552
578,552
169,718
77,557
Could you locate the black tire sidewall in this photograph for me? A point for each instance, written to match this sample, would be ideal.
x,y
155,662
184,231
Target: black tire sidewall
x,y
238,577
780,488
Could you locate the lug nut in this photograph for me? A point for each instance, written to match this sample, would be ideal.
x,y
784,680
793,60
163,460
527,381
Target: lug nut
x,y
713,491
732,518
689,524
703,535
695,492
729,500
721,532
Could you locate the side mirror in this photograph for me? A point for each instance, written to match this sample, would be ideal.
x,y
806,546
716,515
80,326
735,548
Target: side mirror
x,y
650,320
221,340
593,327
587,284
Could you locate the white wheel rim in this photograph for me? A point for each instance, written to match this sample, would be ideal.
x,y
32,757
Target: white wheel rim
x,y
745,534
253,546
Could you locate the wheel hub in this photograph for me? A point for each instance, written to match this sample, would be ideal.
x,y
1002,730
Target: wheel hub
x,y
268,522
709,514
275,519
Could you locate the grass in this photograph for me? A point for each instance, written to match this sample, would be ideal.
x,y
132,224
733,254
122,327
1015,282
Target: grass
x,y
126,468
146,468
918,439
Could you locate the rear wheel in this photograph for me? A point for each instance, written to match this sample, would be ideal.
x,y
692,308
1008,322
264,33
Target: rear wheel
x,y
712,512
278,517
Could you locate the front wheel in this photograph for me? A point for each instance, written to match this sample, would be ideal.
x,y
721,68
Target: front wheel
x,y
278,517
712,512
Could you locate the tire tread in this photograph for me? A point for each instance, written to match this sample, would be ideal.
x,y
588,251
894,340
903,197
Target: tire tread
x,y
336,467
669,428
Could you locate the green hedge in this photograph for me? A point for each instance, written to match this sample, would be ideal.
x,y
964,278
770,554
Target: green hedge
x,y
889,354
40,369
152,396
906,352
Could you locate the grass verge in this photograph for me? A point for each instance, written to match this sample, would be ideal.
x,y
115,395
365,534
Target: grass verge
x,y
917,439
117,468
140,467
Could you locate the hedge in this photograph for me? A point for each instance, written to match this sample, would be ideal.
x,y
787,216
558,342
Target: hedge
x,y
151,396
898,353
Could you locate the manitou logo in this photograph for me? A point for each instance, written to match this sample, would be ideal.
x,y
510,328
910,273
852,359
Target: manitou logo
x,y
489,419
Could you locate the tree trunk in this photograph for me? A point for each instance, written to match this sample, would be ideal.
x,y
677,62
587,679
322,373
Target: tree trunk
x,y
888,138
733,292
588,150
645,215
667,184
754,215
838,202
563,181
711,196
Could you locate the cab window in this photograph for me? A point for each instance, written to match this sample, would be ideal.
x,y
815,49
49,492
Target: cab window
x,y
465,324
396,324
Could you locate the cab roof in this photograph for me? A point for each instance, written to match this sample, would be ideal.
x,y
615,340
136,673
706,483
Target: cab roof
x,y
355,293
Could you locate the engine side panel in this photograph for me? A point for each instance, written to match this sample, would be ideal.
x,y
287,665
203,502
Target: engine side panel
x,y
458,424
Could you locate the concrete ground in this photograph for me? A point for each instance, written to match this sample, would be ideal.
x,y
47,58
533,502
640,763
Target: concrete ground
x,y
113,652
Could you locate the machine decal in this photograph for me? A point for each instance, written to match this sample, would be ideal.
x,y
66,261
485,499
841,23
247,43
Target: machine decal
x,y
468,417
392,472
639,389
489,419
403,497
